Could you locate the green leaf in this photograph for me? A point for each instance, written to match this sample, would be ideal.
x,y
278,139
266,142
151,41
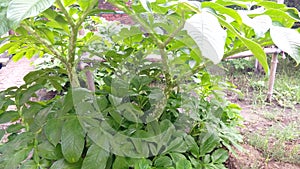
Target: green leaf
x,y
287,40
20,9
192,145
280,16
254,47
30,164
146,4
208,34
14,128
2,133
223,10
26,95
208,142
17,158
68,2
121,163
85,4
183,164
261,24
9,116
176,156
62,164
53,130
48,151
4,24
72,140
219,156
177,145
163,161
96,158
142,164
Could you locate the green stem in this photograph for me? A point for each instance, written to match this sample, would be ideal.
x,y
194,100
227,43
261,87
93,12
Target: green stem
x,y
65,12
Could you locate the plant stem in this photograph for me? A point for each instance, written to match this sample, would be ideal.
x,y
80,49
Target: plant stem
x,y
65,12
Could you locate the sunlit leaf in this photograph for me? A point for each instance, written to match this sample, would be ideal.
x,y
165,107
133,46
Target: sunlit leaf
x,y
20,9
287,40
210,37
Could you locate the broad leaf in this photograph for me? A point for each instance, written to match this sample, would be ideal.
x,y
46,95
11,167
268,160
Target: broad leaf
x,y
121,163
163,161
20,9
261,24
68,2
53,130
183,164
96,158
210,37
85,4
208,142
287,40
146,4
48,151
9,116
4,24
219,156
224,10
62,164
72,140
254,47
30,164
17,158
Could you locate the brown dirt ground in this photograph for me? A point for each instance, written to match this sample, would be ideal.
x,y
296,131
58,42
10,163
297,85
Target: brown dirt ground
x,y
252,158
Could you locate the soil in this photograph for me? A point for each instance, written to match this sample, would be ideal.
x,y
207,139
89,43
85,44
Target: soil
x,y
251,157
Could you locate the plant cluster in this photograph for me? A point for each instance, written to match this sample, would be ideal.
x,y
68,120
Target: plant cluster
x,y
168,112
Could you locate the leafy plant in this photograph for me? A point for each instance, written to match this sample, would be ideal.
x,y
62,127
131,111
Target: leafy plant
x,y
165,114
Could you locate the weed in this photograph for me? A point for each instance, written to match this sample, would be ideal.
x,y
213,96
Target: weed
x,y
258,141
284,133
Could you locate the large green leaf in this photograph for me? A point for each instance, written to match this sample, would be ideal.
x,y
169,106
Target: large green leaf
x,y
62,164
48,151
53,130
20,9
17,158
96,158
223,10
261,24
183,164
85,4
287,40
4,24
219,156
72,140
208,142
254,47
209,36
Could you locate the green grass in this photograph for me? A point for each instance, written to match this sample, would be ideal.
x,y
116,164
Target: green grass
x,y
278,133
255,86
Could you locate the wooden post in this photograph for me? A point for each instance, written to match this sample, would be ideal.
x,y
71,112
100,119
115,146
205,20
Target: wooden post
x,y
272,77
273,70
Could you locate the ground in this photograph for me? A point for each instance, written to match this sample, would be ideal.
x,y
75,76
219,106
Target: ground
x,y
271,131
261,148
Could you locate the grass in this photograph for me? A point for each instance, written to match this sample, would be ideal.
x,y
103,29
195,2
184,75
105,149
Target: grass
x,y
255,86
277,136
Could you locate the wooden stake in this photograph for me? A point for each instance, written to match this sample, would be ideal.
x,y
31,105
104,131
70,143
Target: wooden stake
x,y
272,77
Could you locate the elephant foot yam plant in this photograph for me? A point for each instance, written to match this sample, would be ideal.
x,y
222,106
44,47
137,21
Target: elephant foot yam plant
x,y
171,113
